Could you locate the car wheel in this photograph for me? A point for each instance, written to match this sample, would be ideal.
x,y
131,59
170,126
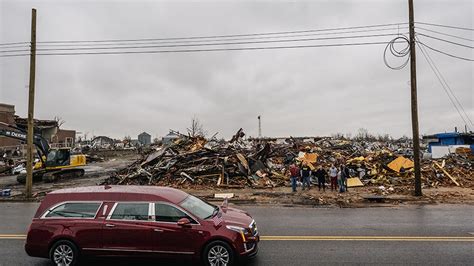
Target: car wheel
x,y
64,253
218,253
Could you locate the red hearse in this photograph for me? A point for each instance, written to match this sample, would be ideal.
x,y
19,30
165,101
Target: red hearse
x,y
138,221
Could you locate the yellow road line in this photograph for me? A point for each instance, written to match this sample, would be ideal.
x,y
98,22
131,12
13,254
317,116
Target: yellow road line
x,y
368,238
372,237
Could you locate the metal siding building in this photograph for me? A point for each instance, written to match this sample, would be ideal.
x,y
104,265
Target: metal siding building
x,y
144,138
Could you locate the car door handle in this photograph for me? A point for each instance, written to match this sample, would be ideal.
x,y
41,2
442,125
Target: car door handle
x,y
158,230
109,225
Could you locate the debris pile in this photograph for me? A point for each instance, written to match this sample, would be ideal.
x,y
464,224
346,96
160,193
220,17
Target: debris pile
x,y
191,162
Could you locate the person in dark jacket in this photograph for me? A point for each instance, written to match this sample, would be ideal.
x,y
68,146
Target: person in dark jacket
x,y
305,173
321,174
344,175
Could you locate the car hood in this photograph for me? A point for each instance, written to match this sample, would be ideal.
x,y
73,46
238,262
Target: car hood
x,y
237,217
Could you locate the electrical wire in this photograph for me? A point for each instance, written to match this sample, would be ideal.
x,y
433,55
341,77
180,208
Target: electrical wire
x,y
204,50
446,34
427,55
445,53
13,43
439,39
214,44
12,51
445,26
217,40
444,84
195,39
224,36
404,52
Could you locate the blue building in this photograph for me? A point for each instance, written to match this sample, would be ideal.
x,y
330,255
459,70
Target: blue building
x,y
448,139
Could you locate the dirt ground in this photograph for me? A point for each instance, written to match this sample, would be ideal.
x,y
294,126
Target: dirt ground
x,y
355,197
370,196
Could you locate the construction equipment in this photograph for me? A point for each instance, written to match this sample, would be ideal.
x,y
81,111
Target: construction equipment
x,y
53,164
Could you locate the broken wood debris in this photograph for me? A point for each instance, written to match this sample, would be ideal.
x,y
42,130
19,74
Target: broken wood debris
x,y
191,162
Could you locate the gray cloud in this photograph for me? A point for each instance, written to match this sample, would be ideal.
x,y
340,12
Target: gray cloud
x,y
314,91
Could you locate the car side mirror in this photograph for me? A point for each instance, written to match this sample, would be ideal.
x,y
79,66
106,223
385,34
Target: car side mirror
x,y
184,222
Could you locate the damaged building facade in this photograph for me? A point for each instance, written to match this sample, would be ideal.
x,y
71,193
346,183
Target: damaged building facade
x,y
48,129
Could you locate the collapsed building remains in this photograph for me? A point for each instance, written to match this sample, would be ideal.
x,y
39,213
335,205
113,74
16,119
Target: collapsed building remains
x,y
194,162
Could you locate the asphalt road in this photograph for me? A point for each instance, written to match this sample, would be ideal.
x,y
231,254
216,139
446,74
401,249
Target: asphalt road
x,y
427,235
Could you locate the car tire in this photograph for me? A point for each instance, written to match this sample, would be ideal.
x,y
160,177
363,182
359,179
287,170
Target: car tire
x,y
64,253
218,251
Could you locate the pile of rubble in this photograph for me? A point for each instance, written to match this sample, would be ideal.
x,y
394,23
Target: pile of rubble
x,y
193,162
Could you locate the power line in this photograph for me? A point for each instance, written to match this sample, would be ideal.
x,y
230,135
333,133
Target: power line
x,y
193,39
214,44
13,43
12,51
216,40
446,34
441,79
405,52
445,82
206,50
445,53
225,36
445,26
443,40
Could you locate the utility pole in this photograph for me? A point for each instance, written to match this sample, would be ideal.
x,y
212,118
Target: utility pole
x,y
31,107
259,127
414,103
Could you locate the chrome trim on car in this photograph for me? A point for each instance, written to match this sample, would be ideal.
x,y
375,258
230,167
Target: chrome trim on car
x,y
140,250
104,210
46,212
250,249
253,228
111,211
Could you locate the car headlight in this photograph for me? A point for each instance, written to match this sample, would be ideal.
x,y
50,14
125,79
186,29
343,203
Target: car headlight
x,y
242,231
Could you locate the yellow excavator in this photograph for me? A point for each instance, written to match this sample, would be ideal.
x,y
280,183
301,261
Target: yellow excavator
x,y
53,164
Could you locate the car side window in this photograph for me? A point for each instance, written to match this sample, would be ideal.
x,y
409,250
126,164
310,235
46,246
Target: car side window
x,y
168,213
130,211
75,210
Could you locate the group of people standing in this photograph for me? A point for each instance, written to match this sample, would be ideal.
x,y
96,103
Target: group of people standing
x,y
337,176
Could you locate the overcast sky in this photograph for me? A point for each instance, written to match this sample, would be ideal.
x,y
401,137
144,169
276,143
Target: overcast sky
x,y
298,92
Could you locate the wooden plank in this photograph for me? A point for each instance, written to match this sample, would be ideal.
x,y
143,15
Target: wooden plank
x,y
446,173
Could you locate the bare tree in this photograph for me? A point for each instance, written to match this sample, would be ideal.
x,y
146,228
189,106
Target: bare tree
x,y
337,136
196,129
59,120
363,134
384,137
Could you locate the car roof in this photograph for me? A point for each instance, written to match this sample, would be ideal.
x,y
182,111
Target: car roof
x,y
130,192
112,194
